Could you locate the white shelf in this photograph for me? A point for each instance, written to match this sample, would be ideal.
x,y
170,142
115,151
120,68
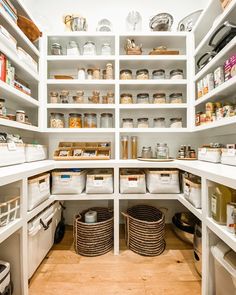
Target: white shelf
x,y
153,130
154,82
11,228
153,58
83,197
219,123
190,207
31,214
79,82
80,58
79,106
153,106
14,124
153,34
81,34
80,130
148,196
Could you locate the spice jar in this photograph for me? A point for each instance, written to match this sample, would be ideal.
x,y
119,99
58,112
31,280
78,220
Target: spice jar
x,y
81,74
176,98
106,49
20,116
54,97
106,120
159,123
127,123
104,99
96,74
176,74
64,97
95,98
134,147
143,123
110,97
162,151
90,120
126,98
146,152
176,123
3,110
142,74
143,98
125,74
72,48
79,97
75,120
57,120
109,71
90,74
89,48
124,147
56,49
159,98
158,74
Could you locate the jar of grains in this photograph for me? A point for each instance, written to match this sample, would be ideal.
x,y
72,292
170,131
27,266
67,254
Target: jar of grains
x,y
125,74
54,97
143,98
79,97
146,152
158,74
90,120
176,74
106,120
176,123
143,123
127,123
159,98
75,120
96,74
110,97
109,71
159,123
142,74
90,74
176,98
126,98
57,120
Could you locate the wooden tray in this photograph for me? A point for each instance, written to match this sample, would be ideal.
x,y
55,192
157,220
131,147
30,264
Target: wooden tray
x,y
164,52
187,159
156,160
133,52
62,77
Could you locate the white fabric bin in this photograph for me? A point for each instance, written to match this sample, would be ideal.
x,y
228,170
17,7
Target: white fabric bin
x,y
38,190
68,182
228,157
99,181
192,192
35,152
163,181
132,181
11,154
209,155
225,269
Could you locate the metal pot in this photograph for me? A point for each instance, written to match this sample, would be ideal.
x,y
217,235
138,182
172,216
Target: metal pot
x,y
187,23
161,22
77,23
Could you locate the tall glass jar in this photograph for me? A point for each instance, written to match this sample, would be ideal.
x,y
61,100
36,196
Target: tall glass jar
x,y
124,147
89,48
143,98
54,97
109,72
134,147
57,120
72,48
75,120
162,151
106,120
90,120
106,49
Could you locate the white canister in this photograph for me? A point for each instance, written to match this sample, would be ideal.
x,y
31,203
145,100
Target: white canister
x,y
20,116
81,74
91,217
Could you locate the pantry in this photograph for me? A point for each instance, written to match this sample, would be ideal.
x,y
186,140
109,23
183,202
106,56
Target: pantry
x,y
117,147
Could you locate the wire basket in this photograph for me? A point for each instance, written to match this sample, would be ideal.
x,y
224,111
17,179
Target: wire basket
x,y
9,211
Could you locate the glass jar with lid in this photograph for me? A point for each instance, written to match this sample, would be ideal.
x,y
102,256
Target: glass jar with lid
x,y
159,98
162,151
20,116
176,123
57,120
54,97
176,74
90,120
64,97
81,74
79,97
143,98
126,98
90,74
146,152
109,71
125,74
127,123
96,74
143,123
110,97
158,74
3,110
56,49
106,120
142,74
89,48
72,48
176,98
159,122
75,120
106,49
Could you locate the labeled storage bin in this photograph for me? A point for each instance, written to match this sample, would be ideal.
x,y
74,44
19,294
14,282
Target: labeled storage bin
x,y
99,181
132,181
225,269
5,278
9,209
192,191
35,152
11,154
162,181
228,157
70,181
38,190
209,154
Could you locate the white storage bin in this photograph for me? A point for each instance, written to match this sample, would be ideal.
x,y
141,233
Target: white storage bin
x,y
5,279
9,209
99,181
38,190
41,232
225,269
68,181
163,181
35,152
132,181
192,192
11,154
228,157
209,154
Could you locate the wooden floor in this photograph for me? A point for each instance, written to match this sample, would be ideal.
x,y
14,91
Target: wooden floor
x,y
65,273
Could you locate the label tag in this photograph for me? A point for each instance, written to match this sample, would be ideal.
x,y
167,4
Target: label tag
x,y
187,190
165,179
43,186
11,146
203,151
213,205
65,178
98,182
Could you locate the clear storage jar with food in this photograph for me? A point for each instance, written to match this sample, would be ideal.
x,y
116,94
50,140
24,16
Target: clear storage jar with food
x,y
125,74
177,74
159,122
54,97
79,97
126,98
127,123
96,74
143,98
20,116
56,49
162,151
176,98
106,120
159,98
110,97
106,49
90,74
90,120
146,152
75,120
89,48
176,123
81,74
109,71
57,120
64,97
142,74
143,123
72,48
158,74
95,98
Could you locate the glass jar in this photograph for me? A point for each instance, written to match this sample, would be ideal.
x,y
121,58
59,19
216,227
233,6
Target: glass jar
x,y
95,98
64,97
56,49
79,97
142,74
54,97
162,151
176,74
81,74
72,48
143,123
176,98
106,49
57,120
90,74
158,74
176,123
96,74
75,120
125,74
143,98
104,99
110,97
3,110
104,74
134,147
146,152
20,116
159,98
106,120
159,122
109,71
90,120
89,48
124,147
126,98
127,123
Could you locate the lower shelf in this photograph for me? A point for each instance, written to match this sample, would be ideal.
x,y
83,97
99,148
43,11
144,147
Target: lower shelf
x,y
83,197
190,207
148,196
11,228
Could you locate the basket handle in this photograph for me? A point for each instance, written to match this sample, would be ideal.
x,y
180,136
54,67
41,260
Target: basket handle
x,y
126,227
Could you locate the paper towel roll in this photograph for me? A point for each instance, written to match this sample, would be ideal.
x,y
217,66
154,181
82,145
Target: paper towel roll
x,y
91,217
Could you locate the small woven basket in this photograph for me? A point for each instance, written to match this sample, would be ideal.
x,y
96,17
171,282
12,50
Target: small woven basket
x,y
94,239
145,230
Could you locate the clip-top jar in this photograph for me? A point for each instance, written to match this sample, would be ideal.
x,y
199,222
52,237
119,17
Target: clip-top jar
x,y
143,98
162,151
106,120
90,120
89,48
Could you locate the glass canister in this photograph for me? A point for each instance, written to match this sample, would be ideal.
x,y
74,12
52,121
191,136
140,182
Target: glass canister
x,y
81,74
64,97
3,110
124,147
72,48
142,74
56,49
90,120
143,98
89,48
96,74
127,123
20,116
143,123
176,74
162,151
106,120
54,97
158,74
57,120
75,120
110,97
176,98
125,75
106,49
79,97
90,74
126,98
176,123
159,98
134,147
95,98
159,122
109,71
146,152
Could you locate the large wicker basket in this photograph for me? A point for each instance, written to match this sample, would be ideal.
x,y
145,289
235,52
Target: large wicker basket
x,y
145,230
94,239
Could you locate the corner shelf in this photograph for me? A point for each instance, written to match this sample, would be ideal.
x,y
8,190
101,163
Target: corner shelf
x,y
190,207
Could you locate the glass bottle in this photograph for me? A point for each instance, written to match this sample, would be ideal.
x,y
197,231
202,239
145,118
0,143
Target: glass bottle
x,y
124,147
134,147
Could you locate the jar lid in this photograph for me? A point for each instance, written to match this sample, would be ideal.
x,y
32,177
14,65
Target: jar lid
x,y
20,111
89,42
176,119
2,100
127,119
109,65
143,95
75,115
176,95
141,71
90,114
163,144
106,115
54,93
56,45
147,148
72,42
89,70
126,94
159,119
142,119
59,114
125,71
176,71
158,71
157,95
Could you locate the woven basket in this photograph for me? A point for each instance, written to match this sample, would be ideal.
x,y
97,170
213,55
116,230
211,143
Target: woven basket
x,y
145,230
94,239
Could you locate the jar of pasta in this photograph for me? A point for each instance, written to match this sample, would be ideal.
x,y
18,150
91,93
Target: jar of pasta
x,y
125,74
142,74
57,120
143,123
75,120
176,98
126,98
90,120
159,98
